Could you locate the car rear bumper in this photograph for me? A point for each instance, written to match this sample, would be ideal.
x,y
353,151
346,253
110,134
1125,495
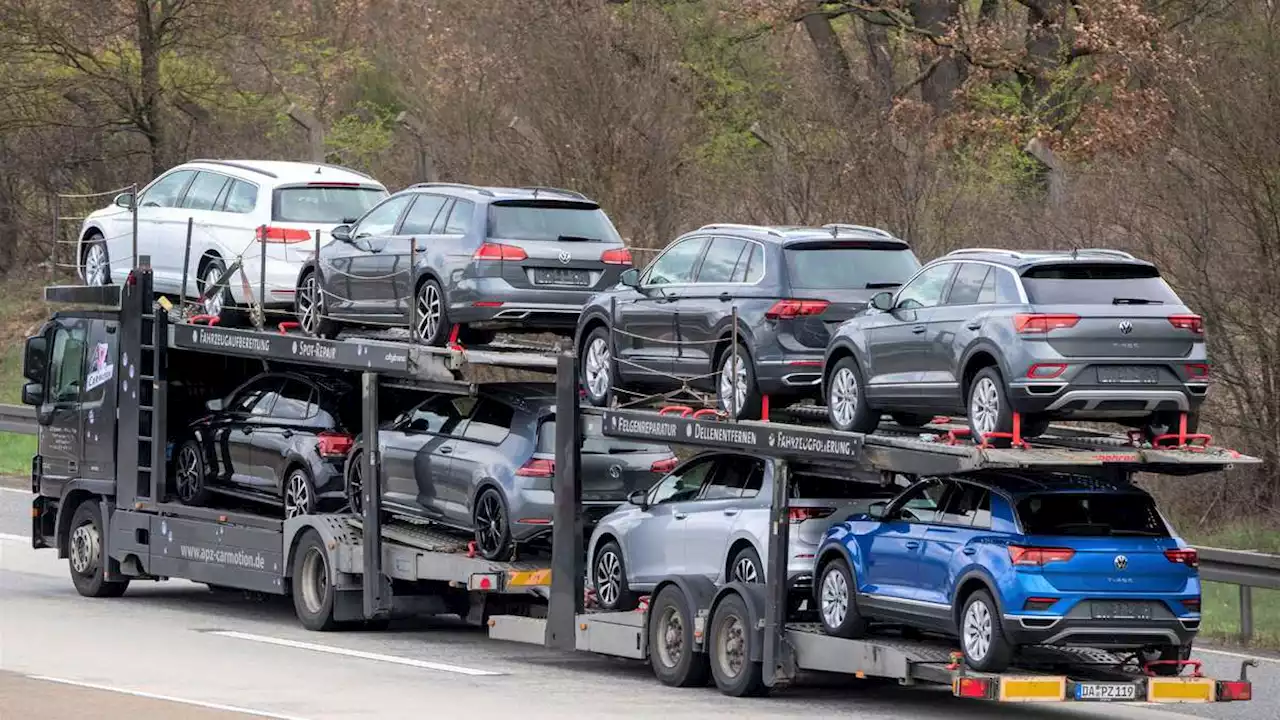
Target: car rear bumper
x,y
533,513
1085,632
494,303
793,375
1061,399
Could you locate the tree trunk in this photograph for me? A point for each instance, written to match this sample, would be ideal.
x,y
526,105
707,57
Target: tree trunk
x,y
880,60
831,54
148,109
938,89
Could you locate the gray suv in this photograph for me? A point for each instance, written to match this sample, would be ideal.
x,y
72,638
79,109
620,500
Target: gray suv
x,y
1080,335
488,259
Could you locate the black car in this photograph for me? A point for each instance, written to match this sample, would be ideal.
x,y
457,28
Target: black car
x,y
484,463
280,438
486,259
791,286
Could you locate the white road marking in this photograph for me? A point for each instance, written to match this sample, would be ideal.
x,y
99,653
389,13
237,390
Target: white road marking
x,y
1239,656
427,665
167,698
14,490
16,538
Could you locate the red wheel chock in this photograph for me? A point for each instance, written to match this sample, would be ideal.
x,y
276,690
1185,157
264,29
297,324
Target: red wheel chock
x,y
206,319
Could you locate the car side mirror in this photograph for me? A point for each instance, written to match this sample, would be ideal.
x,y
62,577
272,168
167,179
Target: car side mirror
x,y
882,301
124,200
341,233
639,498
876,509
214,405
35,358
630,277
33,394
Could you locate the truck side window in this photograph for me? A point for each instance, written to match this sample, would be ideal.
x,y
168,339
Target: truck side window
x,y
66,366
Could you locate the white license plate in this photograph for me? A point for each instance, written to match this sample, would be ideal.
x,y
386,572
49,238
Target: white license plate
x,y
1106,691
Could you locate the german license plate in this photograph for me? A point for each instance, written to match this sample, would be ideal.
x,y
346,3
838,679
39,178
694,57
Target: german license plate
x,y
1121,611
1106,691
1128,375
561,276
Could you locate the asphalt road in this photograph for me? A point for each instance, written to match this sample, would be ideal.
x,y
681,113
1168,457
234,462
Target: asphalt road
x,y
177,650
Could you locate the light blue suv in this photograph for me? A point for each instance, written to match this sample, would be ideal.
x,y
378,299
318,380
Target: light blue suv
x,y
1003,560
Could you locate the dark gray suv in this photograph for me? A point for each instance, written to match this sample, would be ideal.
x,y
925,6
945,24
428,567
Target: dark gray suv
x,y
1081,335
488,259
673,323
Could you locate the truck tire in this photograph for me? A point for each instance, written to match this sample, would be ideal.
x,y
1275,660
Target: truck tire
x,y
729,650
312,583
671,651
84,554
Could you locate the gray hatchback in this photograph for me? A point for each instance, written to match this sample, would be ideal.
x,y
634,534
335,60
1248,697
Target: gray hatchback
x,y
1081,335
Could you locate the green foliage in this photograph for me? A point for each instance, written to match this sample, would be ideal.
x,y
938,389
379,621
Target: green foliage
x,y
360,137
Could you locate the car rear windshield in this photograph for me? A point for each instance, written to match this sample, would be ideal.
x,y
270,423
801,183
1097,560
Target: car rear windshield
x,y
816,484
595,442
833,266
326,204
550,220
1090,514
1097,284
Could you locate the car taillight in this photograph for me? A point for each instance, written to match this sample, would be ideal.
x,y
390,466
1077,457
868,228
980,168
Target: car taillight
x,y
1192,604
334,444
796,308
538,467
1038,323
1039,556
616,256
1188,322
662,467
800,514
1184,556
1039,603
1046,371
283,235
1198,371
496,251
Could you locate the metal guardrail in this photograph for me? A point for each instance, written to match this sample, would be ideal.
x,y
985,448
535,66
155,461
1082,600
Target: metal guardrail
x,y
1243,568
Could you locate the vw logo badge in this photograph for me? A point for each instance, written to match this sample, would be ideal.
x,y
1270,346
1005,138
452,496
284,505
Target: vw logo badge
x,y
1122,562
615,471
1126,327
565,257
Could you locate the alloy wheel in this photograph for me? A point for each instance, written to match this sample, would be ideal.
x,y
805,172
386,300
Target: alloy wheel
x,y
95,265
671,647
608,578
213,303
85,548
297,495
835,598
977,630
490,523
843,398
598,363
309,306
733,384
745,570
188,474
428,311
984,406
355,486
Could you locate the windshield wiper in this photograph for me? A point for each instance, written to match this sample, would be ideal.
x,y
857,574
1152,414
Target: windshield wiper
x,y
881,285
1135,301
577,238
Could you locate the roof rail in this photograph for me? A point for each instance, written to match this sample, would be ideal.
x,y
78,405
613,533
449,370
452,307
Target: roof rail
x,y
463,186
543,188
240,166
837,227
741,226
986,251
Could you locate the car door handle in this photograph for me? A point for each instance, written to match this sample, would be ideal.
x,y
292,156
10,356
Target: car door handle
x,y
287,434
725,297
247,430
918,329
446,450
731,512
912,544
974,326
680,515
970,551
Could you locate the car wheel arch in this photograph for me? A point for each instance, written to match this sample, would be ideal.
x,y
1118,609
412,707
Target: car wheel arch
x,y
969,583
979,356
832,552
604,538
736,545
840,349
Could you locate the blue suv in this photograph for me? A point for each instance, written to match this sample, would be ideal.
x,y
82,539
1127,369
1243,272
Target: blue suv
x,y
1005,559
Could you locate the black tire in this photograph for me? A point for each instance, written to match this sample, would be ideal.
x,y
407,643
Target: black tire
x,y
671,651
910,420
609,578
745,566
492,523
309,307
190,474
432,315
599,338
844,384
299,493
988,406
353,482
998,651
312,583
84,554
471,336
227,313
837,601
1034,425
752,401
92,240
1170,654
1167,423
729,649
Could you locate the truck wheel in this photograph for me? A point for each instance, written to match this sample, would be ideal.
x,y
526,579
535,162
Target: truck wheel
x,y
312,584
982,639
189,476
84,554
671,651
730,650
838,603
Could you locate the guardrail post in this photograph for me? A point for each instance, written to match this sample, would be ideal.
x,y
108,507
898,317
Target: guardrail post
x,y
1246,614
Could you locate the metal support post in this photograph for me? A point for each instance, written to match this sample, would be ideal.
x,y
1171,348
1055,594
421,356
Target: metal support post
x,y
133,212
186,264
733,368
1246,614
262,278
159,404
413,300
376,602
567,552
775,612
57,240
